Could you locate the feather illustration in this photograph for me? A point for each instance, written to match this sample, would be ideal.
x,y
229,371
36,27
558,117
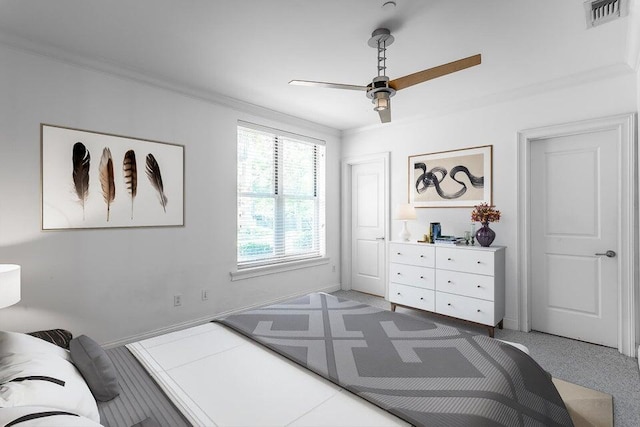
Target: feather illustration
x,y
81,163
130,170
153,173
107,179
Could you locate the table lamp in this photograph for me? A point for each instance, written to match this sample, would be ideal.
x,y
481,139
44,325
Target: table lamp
x,y
405,212
9,284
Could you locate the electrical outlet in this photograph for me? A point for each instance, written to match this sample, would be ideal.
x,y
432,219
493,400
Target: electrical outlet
x,y
177,300
205,294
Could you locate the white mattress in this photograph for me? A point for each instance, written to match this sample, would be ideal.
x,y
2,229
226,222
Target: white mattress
x,y
219,378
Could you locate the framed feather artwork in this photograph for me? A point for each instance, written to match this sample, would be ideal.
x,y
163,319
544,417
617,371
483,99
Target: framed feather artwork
x,y
99,180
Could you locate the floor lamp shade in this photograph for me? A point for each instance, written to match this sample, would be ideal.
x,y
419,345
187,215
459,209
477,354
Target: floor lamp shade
x,y
9,284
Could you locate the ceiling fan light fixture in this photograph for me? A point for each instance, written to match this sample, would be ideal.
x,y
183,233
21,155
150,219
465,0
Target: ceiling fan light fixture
x,y
381,101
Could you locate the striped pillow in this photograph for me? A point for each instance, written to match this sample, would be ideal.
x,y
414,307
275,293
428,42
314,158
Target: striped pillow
x,y
34,372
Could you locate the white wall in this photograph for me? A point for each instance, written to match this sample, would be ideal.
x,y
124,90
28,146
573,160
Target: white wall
x,y
114,284
498,125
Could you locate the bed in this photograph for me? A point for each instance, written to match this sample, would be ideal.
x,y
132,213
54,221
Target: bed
x,y
319,360
320,352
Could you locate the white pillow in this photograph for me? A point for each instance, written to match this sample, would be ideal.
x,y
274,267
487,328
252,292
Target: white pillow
x,y
14,342
24,358
42,417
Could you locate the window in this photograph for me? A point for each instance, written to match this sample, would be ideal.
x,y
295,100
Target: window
x,y
280,196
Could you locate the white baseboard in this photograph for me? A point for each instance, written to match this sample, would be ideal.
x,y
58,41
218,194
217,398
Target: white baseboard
x,y
208,318
511,324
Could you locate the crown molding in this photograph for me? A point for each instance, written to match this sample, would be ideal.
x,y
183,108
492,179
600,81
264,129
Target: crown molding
x,y
103,66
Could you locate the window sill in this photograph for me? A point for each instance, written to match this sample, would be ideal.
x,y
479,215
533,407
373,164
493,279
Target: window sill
x,y
248,273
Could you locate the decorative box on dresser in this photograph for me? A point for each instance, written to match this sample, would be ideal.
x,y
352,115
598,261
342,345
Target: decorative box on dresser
x,y
463,282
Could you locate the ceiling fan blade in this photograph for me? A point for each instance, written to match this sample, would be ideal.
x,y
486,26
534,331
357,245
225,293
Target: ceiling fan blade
x,y
432,73
325,84
385,115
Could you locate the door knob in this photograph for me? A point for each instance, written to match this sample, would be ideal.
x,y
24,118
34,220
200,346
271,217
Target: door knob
x,y
609,254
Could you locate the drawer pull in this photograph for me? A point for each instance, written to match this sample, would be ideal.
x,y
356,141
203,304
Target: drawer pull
x,y
478,310
448,259
399,253
398,293
421,298
478,262
399,274
448,303
421,256
422,277
448,281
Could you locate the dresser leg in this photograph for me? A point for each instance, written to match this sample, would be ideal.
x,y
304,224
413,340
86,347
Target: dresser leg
x,y
491,331
393,307
501,324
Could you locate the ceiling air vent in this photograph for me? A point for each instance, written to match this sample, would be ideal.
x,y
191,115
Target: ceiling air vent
x,y
601,11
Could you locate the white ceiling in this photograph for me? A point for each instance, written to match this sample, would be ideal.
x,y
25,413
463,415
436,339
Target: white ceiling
x,y
250,49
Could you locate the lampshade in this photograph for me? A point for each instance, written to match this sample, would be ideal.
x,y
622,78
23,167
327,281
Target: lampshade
x,y
9,284
405,211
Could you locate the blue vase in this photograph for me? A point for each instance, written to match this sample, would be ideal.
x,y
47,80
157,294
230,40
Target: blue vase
x,y
485,235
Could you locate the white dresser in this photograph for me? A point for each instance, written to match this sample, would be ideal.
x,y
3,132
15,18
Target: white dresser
x,y
465,282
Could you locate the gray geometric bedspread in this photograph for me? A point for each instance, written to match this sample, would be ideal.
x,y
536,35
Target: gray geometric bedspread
x,y
423,372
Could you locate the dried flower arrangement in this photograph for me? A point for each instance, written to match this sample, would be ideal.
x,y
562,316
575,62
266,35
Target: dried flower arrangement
x,y
484,213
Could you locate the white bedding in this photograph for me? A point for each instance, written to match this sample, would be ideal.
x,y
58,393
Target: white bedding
x,y
219,378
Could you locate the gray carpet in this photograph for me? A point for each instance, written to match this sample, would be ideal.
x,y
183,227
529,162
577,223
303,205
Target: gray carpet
x,y
593,366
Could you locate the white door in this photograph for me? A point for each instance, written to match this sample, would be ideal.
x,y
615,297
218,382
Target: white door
x,y
368,255
574,222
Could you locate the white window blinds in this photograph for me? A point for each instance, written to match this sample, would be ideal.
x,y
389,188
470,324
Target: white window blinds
x,y
281,187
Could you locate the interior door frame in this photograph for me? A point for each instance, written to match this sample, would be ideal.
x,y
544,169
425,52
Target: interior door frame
x,y
347,164
625,126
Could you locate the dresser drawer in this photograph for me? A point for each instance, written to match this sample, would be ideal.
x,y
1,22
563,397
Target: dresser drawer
x,y
421,277
422,255
471,285
469,261
473,309
423,299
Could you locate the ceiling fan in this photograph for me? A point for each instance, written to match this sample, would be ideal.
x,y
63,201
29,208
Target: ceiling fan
x,y
381,89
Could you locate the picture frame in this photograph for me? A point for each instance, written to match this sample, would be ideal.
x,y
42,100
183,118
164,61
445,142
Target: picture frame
x,y
454,178
95,180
